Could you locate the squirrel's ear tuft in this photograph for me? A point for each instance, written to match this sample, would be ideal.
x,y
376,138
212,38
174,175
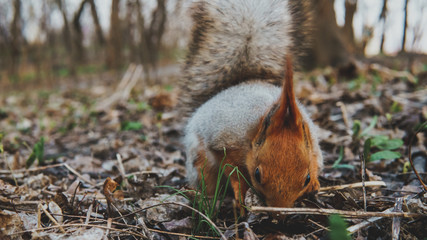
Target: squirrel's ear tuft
x,y
288,111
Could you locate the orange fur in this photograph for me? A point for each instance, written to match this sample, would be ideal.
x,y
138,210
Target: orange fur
x,y
286,155
280,147
210,172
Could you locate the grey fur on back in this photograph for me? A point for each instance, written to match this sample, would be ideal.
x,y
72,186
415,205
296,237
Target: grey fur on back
x,y
224,121
234,41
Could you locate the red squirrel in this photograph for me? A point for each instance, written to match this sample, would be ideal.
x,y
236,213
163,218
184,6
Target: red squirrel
x,y
239,52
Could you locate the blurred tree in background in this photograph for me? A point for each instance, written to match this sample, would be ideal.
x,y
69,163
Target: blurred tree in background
x,y
150,33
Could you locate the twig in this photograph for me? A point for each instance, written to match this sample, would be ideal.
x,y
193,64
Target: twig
x,y
344,114
51,218
363,171
97,197
122,169
357,227
183,205
395,227
314,232
140,222
39,216
319,225
79,225
410,154
118,211
74,194
354,185
79,175
109,221
10,168
88,213
143,172
350,214
31,170
145,230
182,234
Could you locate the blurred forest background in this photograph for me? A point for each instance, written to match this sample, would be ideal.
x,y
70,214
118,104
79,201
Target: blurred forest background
x,y
46,40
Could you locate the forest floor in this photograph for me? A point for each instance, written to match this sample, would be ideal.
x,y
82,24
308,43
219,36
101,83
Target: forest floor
x,y
97,158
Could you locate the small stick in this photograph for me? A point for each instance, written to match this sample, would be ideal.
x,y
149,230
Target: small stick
x,y
31,170
319,225
395,227
410,155
182,234
79,175
109,221
366,222
10,168
321,211
363,169
39,216
344,114
142,172
354,185
118,211
51,218
80,225
122,169
183,205
145,230
88,213
74,195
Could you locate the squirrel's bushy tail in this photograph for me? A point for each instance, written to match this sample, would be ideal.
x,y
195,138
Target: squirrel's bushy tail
x,y
234,41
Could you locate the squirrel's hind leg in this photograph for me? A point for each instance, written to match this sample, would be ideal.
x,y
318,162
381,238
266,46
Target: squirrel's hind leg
x,y
207,174
238,174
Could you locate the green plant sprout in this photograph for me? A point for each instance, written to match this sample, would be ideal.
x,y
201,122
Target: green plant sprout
x,y
376,147
337,163
130,126
37,153
338,228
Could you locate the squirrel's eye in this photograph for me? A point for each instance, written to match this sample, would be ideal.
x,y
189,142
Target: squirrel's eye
x,y
257,175
307,180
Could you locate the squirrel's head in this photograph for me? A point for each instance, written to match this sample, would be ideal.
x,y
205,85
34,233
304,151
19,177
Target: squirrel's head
x,y
281,162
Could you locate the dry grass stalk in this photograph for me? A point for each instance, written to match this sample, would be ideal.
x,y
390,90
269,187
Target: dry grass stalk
x,y
51,218
350,214
353,185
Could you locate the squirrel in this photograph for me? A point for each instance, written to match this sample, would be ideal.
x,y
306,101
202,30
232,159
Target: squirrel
x,y
238,83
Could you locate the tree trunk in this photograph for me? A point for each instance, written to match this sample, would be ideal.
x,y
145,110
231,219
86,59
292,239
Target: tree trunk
x,y
405,26
131,30
16,41
350,9
78,34
328,46
383,16
155,32
157,28
143,45
67,36
98,29
114,55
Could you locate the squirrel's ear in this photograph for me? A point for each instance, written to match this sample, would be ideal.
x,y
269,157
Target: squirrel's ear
x,y
288,111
